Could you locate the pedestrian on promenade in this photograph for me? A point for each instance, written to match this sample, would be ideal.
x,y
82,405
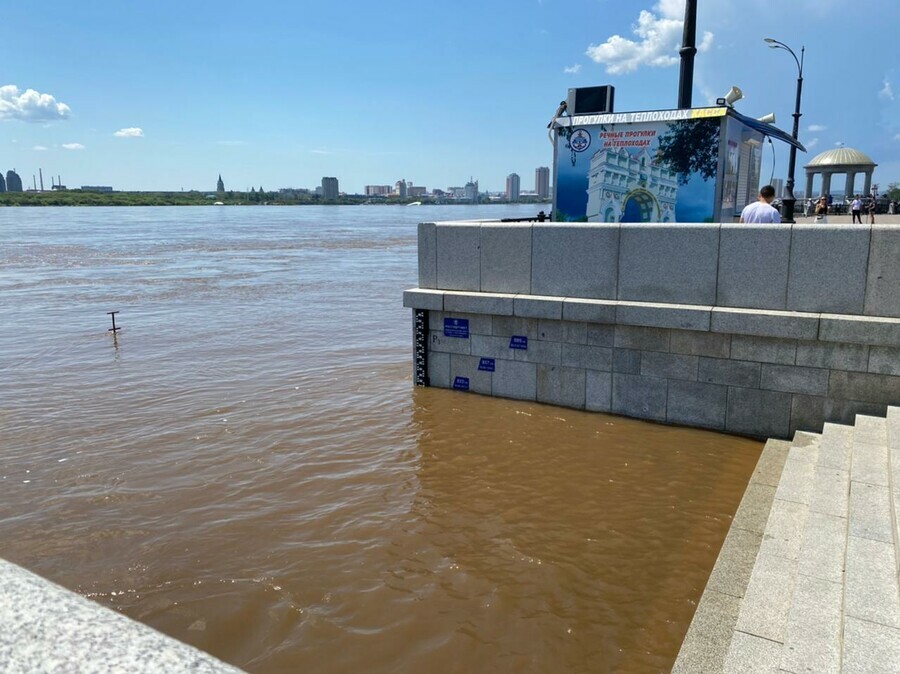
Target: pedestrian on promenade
x,y
762,211
871,208
822,211
856,207
809,207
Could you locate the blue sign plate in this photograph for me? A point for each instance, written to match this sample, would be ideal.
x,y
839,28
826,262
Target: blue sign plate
x,y
456,327
518,342
461,384
486,365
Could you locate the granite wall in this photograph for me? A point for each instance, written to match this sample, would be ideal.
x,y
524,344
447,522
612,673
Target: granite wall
x,y
757,330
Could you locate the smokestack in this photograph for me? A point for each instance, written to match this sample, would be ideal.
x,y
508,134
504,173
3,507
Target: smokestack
x,y
687,51
41,171
34,181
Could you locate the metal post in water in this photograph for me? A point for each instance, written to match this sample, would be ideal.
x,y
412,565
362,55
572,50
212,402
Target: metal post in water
x,y
112,314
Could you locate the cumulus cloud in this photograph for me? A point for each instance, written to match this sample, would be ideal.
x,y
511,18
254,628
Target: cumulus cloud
x,y
814,128
659,35
39,148
73,146
571,70
129,132
887,91
30,105
810,144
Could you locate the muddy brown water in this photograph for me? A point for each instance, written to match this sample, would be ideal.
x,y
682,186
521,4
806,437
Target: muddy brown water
x,y
249,469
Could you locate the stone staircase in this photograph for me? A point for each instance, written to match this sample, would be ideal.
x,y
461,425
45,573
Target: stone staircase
x,y
821,594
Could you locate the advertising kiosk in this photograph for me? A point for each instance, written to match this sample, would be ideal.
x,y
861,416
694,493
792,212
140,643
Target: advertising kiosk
x,y
691,165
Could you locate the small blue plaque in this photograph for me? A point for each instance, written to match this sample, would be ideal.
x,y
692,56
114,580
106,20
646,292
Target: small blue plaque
x,y
456,327
518,342
461,384
486,365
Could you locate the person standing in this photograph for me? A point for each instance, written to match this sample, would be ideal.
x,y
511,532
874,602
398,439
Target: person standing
x,y
761,211
856,208
870,206
822,211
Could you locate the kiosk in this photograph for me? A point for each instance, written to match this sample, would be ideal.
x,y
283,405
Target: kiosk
x,y
691,165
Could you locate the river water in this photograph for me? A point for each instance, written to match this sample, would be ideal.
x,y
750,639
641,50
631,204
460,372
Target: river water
x,y
248,468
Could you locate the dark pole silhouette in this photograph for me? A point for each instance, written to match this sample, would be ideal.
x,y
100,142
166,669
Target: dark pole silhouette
x,y
790,200
688,51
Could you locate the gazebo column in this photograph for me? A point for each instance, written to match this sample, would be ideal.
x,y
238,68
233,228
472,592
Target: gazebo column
x,y
868,188
848,186
809,183
826,182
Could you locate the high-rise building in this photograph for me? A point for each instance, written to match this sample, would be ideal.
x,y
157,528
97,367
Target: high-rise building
x,y
471,191
220,186
378,190
2,183
330,188
542,182
778,184
401,189
512,187
13,182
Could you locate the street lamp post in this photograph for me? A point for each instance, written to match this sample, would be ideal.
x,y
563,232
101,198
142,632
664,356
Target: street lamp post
x,y
789,202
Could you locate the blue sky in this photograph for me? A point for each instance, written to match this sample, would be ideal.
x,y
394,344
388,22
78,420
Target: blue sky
x,y
279,93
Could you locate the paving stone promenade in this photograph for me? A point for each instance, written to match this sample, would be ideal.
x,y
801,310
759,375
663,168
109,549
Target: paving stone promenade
x,y
807,579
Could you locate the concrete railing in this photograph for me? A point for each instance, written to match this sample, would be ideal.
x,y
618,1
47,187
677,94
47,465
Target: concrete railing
x,y
759,330
844,269
46,628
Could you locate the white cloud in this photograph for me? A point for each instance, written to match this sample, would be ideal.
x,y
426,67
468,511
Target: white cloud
x,y
840,143
816,128
29,105
73,146
659,34
812,143
129,132
39,148
572,70
887,91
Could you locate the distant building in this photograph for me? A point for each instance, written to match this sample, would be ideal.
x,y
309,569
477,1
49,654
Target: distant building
x,y
471,191
512,187
2,183
542,182
96,188
378,190
417,191
330,189
401,189
220,186
778,184
13,182
436,192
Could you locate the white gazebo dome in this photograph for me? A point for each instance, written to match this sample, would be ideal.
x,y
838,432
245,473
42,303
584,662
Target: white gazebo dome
x,y
841,156
840,161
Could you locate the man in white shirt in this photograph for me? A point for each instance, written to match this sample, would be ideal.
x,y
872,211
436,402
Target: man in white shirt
x,y
762,211
856,208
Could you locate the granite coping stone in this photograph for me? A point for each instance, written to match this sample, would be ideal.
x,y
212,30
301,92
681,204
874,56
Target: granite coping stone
x,y
46,628
810,328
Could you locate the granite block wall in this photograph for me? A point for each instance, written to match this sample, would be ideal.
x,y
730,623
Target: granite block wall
x,y
753,329
748,385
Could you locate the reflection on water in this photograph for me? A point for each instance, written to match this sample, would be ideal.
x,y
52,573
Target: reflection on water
x,y
250,470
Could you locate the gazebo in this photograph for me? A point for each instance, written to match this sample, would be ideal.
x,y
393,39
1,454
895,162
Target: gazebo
x,y
842,160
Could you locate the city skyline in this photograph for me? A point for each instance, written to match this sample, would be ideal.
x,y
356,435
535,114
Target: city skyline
x,y
105,105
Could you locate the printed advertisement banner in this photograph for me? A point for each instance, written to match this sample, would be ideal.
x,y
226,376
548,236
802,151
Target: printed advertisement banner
x,y
648,171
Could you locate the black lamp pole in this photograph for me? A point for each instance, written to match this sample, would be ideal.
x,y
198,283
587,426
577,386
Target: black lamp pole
x,y
688,51
789,202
